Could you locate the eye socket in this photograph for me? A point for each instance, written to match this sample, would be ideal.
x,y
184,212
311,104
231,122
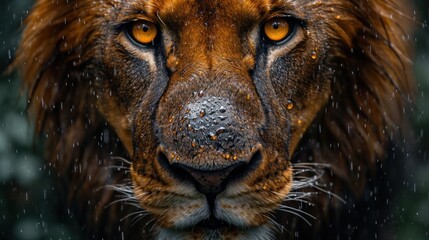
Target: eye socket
x,y
143,32
277,29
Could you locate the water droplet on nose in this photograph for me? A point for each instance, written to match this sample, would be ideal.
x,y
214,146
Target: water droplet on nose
x,y
212,136
289,105
222,109
202,113
220,130
226,156
201,93
201,149
194,143
313,55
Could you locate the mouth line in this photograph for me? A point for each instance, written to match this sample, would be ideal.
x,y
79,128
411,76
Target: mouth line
x,y
212,223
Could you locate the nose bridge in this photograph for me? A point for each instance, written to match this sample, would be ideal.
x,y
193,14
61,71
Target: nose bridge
x,y
208,46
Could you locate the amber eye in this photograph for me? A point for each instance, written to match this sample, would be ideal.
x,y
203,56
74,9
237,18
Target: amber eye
x,y
277,29
143,32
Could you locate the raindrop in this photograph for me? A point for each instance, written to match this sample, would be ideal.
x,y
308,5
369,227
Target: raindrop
x,y
220,130
213,136
289,105
222,109
201,93
202,113
194,143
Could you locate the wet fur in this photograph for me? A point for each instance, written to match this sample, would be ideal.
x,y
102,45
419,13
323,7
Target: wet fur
x,y
60,57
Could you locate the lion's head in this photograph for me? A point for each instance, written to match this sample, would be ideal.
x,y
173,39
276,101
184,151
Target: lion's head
x,y
228,111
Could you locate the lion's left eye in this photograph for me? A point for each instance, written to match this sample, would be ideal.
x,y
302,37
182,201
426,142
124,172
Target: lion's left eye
x,y
143,32
277,29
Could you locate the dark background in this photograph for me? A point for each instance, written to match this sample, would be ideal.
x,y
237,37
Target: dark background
x,y
28,199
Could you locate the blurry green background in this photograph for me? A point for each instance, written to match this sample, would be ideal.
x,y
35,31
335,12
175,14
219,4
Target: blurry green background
x,y
28,201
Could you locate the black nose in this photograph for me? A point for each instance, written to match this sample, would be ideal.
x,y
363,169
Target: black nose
x,y
208,141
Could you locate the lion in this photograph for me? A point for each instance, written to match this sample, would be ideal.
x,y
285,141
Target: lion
x,y
218,119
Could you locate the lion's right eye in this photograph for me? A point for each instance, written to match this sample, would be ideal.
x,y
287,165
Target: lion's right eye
x,y
277,29
143,32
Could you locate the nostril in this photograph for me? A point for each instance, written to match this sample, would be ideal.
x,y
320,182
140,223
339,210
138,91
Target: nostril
x,y
242,171
255,160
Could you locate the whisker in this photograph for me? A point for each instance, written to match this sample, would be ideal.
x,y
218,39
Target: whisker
x,y
297,210
142,212
328,192
299,200
121,159
296,214
276,224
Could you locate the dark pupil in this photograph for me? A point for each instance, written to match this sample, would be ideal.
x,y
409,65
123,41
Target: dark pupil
x,y
276,25
145,28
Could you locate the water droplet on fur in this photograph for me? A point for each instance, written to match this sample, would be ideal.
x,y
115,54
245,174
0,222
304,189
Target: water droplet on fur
x,y
194,143
289,105
313,55
226,156
170,120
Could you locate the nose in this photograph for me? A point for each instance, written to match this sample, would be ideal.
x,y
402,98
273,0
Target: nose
x,y
209,142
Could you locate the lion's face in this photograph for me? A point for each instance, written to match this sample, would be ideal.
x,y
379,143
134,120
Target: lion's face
x,y
217,95
225,107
